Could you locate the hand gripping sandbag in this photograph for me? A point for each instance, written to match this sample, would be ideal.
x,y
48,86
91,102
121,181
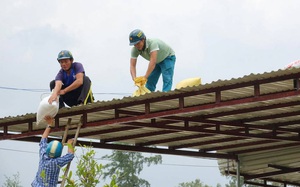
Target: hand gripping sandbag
x,y
46,109
140,83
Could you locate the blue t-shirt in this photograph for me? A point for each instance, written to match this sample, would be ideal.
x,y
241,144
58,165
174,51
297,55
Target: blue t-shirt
x,y
66,79
48,172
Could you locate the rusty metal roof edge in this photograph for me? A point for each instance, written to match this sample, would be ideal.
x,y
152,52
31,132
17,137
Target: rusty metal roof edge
x,y
128,99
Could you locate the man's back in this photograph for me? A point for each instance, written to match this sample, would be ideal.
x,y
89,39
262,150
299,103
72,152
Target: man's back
x,y
49,168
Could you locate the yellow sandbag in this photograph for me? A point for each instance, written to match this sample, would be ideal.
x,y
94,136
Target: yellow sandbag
x,y
142,90
189,82
136,93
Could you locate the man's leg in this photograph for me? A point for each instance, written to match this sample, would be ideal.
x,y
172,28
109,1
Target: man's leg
x,y
153,78
86,95
167,70
71,97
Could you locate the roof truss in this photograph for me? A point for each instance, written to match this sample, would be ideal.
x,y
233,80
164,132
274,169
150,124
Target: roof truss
x,y
227,120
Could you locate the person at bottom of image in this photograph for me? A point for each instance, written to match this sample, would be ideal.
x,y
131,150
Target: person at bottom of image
x,y
50,159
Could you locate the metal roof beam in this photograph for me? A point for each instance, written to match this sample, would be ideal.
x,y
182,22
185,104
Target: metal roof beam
x,y
270,174
263,179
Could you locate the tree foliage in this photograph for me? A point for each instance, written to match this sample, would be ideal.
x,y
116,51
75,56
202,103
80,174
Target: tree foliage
x,y
12,182
233,182
129,165
196,183
88,171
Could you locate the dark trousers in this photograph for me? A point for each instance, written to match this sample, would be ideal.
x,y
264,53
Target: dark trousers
x,y
80,95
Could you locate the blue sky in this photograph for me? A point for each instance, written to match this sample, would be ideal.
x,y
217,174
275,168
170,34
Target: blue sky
x,y
212,39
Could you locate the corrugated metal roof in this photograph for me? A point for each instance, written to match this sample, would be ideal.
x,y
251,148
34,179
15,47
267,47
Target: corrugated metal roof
x,y
253,119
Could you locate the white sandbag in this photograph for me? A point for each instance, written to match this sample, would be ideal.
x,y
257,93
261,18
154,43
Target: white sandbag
x,y
189,82
46,109
295,64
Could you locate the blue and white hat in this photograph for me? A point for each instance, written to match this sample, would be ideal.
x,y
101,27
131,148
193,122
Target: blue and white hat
x,y
54,149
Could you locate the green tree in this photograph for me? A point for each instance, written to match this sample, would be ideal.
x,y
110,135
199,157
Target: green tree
x,y
233,182
196,183
88,171
129,165
12,182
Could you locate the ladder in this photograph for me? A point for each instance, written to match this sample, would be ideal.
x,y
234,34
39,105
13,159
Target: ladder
x,y
70,126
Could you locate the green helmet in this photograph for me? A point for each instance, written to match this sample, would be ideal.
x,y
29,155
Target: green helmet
x,y
136,36
64,54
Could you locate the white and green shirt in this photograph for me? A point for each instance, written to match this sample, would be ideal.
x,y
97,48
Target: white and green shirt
x,y
163,50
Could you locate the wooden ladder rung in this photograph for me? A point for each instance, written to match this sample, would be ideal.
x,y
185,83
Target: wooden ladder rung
x,y
69,126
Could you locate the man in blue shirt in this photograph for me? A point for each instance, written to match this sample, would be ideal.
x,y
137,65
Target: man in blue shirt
x,y
71,84
50,161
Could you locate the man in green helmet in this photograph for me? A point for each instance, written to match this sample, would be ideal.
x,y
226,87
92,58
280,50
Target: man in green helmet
x,y
71,84
161,59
